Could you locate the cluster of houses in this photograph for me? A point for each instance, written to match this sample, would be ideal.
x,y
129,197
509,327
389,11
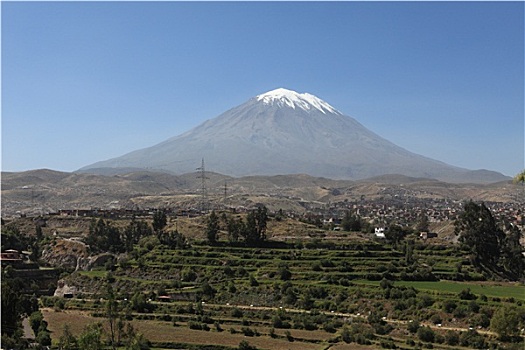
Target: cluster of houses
x,y
384,212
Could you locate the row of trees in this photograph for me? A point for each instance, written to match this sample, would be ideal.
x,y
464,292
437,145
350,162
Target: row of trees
x,y
105,237
252,231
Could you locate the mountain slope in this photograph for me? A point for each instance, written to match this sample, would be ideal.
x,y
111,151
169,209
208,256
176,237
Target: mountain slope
x,y
284,132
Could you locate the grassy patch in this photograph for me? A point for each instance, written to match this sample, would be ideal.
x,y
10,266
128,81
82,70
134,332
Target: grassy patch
x,y
496,290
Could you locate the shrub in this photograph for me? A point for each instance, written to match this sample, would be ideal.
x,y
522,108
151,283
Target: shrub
x,y
272,333
43,338
244,345
473,339
425,334
413,326
317,267
435,319
236,312
346,336
460,311
466,294
449,306
284,273
35,321
247,331
451,338
277,322
253,281
289,336
329,327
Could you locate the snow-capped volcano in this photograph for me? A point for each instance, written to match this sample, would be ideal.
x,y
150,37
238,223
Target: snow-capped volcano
x,y
285,132
283,97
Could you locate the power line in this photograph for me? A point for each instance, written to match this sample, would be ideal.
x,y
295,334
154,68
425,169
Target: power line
x,y
204,192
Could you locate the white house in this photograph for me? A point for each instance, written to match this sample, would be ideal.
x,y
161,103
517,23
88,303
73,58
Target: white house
x,y
380,232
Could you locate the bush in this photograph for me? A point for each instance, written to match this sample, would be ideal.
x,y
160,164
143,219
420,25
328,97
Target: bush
x,y
35,320
436,319
472,339
425,334
505,322
317,267
236,312
244,345
329,327
449,306
413,326
43,338
452,338
289,336
272,333
346,336
253,281
277,322
248,332
466,294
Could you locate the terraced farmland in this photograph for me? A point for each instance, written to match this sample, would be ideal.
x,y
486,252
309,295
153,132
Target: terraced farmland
x,y
308,294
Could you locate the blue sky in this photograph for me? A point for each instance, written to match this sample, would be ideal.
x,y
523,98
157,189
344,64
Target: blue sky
x,y
84,82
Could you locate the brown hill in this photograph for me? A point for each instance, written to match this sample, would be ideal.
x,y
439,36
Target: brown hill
x,y
44,191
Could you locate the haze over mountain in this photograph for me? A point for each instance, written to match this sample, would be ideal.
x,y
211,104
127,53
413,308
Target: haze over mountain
x,y
285,132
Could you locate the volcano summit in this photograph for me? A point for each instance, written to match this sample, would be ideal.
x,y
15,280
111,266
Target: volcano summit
x,y
285,132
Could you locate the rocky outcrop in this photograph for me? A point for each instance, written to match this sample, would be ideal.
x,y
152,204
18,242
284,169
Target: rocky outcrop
x,y
64,290
65,253
73,254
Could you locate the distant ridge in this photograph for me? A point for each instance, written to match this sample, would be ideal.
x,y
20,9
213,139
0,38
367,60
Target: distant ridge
x,y
45,191
284,132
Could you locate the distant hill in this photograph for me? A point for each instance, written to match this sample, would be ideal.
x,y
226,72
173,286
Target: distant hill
x,y
43,191
283,132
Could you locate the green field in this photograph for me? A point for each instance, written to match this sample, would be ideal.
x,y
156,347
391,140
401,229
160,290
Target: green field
x,y
496,290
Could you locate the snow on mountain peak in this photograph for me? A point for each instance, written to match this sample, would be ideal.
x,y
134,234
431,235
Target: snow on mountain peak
x,y
284,97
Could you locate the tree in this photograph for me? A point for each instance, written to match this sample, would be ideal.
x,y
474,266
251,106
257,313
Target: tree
x,y
159,220
255,230
132,234
43,338
14,304
112,314
235,229
35,320
284,273
395,234
413,326
91,337
207,290
505,322
67,340
212,229
104,237
250,230
512,258
409,251
520,179
478,231
173,239
135,340
139,302
351,222
425,334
